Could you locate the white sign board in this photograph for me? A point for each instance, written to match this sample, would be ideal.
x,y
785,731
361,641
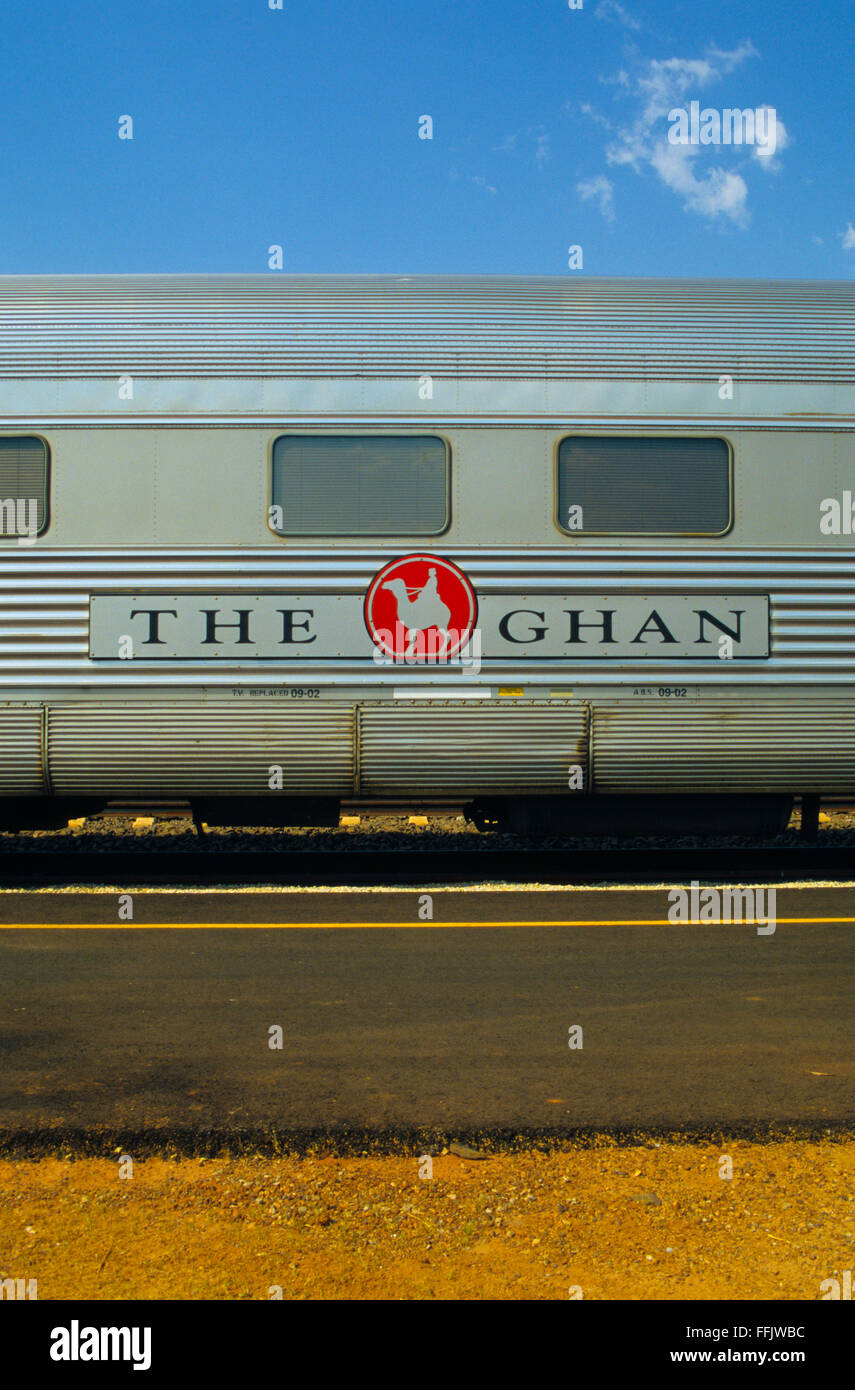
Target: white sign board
x,y
306,628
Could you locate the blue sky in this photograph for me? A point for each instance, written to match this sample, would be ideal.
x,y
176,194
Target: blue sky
x,y
300,127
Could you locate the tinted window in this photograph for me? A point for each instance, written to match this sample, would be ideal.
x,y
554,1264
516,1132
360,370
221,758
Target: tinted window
x,y
360,485
625,486
23,485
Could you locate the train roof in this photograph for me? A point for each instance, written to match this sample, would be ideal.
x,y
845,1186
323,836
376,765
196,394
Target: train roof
x,y
482,326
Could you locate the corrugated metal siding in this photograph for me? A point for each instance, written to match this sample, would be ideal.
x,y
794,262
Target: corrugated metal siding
x,y
773,745
432,749
44,611
187,750
448,750
394,326
21,763
221,749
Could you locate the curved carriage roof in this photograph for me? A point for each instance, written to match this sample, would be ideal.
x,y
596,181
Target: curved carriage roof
x,y
278,325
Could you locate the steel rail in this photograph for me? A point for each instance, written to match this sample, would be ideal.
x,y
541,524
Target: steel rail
x,y
424,867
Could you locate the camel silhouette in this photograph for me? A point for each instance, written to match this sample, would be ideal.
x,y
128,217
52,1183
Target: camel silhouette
x,y
420,609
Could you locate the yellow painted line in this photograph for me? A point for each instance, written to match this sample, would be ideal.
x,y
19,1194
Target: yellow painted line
x,y
363,926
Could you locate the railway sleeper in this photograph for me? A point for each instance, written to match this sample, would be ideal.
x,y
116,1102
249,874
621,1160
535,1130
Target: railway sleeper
x,y
54,812
632,815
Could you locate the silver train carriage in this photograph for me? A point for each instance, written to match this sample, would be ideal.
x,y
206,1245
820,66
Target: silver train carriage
x,y
577,553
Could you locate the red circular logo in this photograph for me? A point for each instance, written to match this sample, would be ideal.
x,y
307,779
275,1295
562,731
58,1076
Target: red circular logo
x,y
420,608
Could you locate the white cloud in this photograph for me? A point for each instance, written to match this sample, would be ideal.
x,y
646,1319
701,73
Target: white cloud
x,y
517,143
720,193
482,183
588,110
766,154
848,238
641,141
617,79
603,190
729,58
611,9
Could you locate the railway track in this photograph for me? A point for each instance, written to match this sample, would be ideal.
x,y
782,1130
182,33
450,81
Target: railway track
x,y
417,866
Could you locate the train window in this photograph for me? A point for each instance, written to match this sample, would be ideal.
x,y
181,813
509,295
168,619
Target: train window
x,y
360,485
655,486
23,486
